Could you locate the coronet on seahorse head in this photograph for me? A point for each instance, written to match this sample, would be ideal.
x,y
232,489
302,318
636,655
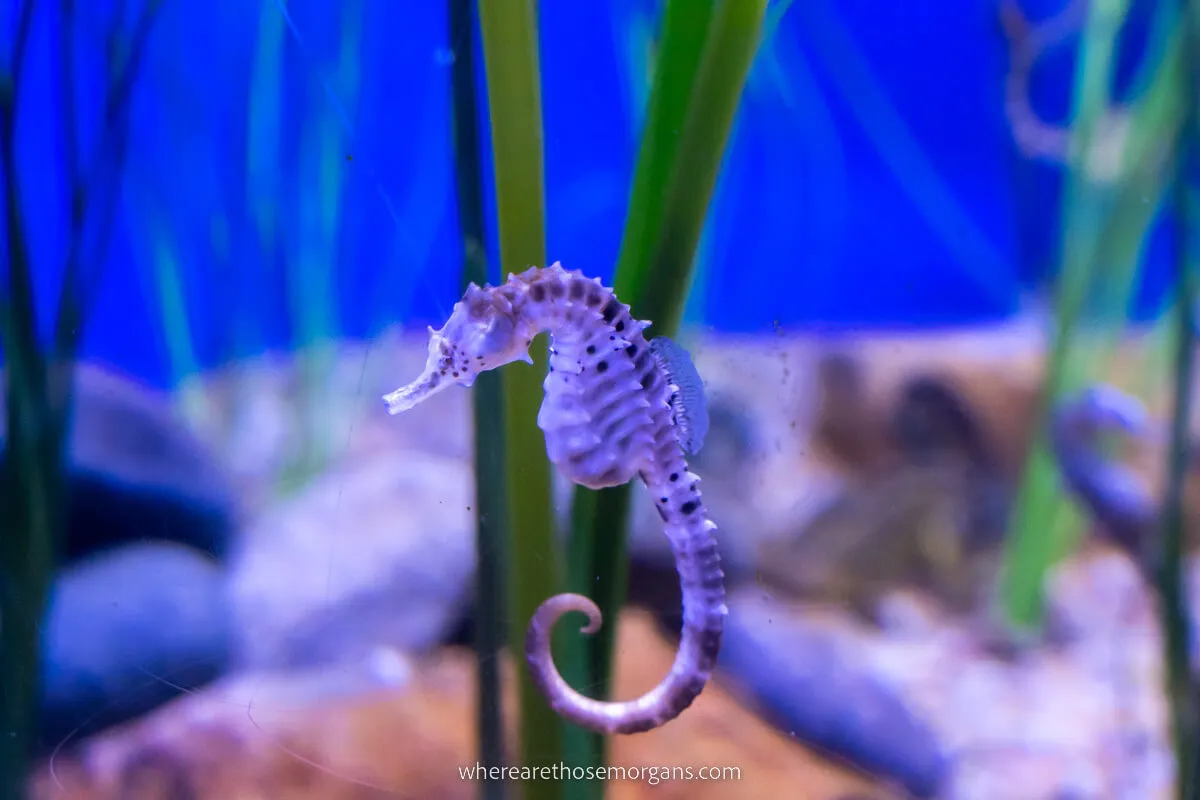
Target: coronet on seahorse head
x,y
483,333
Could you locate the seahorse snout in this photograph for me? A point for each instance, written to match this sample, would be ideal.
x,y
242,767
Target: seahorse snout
x,y
428,384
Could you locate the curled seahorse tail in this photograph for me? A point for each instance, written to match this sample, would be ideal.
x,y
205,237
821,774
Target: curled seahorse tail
x,y
538,652
700,642
551,611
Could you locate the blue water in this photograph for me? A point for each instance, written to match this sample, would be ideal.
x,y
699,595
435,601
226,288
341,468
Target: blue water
x,y
871,178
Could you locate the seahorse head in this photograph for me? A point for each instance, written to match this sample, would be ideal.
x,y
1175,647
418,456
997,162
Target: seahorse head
x,y
482,333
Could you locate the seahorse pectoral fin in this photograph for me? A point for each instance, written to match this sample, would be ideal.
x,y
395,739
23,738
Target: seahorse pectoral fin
x,y
687,398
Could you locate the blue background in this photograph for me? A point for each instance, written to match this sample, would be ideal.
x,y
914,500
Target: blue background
x,y
284,156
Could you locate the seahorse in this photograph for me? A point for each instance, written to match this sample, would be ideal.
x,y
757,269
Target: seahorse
x,y
1110,491
616,407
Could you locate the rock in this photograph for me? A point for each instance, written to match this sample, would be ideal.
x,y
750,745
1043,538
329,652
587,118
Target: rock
x,y
810,687
379,551
127,630
137,473
334,734
998,369
281,417
716,730
1079,716
848,428
934,529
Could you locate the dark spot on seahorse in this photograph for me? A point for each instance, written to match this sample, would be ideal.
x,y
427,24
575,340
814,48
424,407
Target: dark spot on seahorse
x,y
479,358
688,507
456,373
602,366
537,293
695,487
578,287
674,477
611,309
662,500
557,290
435,379
631,350
594,297
591,349
620,326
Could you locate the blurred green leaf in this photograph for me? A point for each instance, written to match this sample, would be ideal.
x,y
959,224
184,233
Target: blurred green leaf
x,y
1106,213
492,521
511,60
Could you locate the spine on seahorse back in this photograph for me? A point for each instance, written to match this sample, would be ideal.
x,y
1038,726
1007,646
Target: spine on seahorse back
x,y
608,418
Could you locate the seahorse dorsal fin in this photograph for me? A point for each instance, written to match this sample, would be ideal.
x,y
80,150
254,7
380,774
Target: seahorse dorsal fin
x,y
688,402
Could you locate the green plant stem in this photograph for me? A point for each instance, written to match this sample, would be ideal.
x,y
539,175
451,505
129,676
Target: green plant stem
x,y
33,481
30,492
1104,240
27,467
1038,509
704,59
1180,687
511,60
487,399
125,65
1170,569
733,41
684,33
